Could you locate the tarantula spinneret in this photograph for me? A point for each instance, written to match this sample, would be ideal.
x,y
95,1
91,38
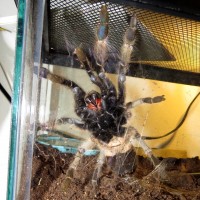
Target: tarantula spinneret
x,y
104,114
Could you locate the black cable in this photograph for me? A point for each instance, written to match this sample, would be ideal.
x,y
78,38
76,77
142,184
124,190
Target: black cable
x,y
175,129
5,93
16,3
6,76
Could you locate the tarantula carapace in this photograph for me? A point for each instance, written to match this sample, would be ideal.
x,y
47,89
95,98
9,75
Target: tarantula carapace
x,y
104,114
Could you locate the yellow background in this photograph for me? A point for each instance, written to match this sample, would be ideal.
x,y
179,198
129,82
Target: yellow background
x,y
150,119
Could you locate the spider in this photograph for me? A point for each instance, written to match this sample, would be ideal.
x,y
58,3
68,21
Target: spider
x,y
104,114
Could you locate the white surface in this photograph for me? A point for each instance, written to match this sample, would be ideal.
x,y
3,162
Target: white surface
x,y
9,22
7,8
4,144
7,52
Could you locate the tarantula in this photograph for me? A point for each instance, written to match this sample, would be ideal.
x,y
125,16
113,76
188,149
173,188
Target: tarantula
x,y
104,114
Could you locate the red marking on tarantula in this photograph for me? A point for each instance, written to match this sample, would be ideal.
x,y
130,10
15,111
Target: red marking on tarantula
x,y
93,101
95,106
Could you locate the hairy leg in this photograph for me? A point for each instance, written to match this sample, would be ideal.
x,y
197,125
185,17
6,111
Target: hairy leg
x,y
126,52
88,144
135,135
121,86
128,42
101,50
111,90
101,45
67,120
79,94
98,169
148,100
84,60
77,90
106,86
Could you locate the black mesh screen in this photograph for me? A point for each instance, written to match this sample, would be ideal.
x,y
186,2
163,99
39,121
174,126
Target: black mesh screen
x,y
163,40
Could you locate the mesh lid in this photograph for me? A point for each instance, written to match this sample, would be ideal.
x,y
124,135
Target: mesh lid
x,y
163,40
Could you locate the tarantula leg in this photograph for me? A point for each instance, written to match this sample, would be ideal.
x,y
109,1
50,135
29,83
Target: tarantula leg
x,y
79,93
149,100
129,41
98,169
101,46
109,85
104,83
67,120
79,155
64,120
45,73
88,66
106,86
126,51
102,31
121,86
147,150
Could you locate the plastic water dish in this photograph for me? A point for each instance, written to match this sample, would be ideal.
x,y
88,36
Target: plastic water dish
x,y
64,145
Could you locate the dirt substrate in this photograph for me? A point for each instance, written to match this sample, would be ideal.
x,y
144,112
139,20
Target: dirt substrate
x,y
140,182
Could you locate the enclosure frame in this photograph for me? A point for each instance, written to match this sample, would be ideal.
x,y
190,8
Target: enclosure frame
x,y
25,97
32,15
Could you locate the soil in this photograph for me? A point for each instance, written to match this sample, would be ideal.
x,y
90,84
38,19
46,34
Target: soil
x,y
179,180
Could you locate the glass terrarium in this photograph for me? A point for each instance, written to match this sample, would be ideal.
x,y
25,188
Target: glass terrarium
x,y
106,101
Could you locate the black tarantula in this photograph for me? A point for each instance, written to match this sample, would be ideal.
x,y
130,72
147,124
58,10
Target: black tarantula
x,y
104,114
